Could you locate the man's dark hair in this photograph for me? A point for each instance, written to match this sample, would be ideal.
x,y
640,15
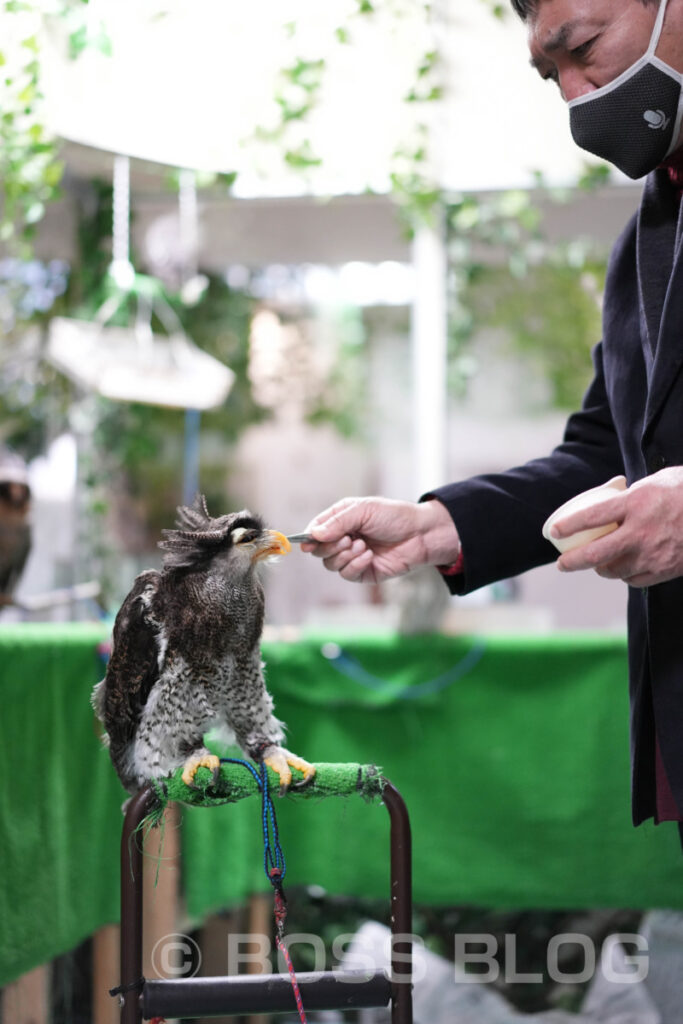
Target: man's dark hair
x,y
523,7
526,7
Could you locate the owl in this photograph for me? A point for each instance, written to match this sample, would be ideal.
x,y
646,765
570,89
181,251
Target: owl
x,y
186,655
15,529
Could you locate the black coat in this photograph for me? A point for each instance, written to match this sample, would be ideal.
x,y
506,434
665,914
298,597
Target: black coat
x,y
631,422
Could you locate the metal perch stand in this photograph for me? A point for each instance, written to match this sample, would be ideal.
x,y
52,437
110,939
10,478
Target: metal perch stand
x,y
142,999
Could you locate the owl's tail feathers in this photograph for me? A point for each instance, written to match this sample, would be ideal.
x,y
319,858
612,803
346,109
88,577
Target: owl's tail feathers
x,y
202,759
282,761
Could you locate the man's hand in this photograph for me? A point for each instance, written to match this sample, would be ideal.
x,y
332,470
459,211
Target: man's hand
x,y
647,546
372,539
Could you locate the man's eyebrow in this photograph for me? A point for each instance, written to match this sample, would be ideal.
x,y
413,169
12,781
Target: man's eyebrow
x,y
557,41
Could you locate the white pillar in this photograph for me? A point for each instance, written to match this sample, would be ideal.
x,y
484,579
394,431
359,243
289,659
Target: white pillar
x,y
429,357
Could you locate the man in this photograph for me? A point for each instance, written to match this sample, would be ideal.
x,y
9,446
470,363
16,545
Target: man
x,y
618,66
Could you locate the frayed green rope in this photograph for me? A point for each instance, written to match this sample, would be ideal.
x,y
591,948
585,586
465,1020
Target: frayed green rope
x,y
155,819
235,784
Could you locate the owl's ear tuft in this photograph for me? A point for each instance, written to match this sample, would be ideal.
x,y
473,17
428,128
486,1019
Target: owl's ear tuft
x,y
198,537
195,516
195,538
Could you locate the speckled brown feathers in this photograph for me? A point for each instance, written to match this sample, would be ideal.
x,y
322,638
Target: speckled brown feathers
x,y
186,653
198,537
15,529
133,667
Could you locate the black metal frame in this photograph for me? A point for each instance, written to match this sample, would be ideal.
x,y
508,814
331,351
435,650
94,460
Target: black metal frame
x,y
271,993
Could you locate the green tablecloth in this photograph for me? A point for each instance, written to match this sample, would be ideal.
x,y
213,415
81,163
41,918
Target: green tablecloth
x,y
511,753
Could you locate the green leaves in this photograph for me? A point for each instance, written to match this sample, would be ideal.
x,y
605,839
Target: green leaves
x,y
504,274
30,170
16,6
302,157
82,37
498,10
594,176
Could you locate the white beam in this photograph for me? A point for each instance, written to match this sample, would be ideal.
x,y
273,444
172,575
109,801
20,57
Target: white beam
x,y
429,357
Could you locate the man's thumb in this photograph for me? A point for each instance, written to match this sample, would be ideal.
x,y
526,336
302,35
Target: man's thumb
x,y
334,528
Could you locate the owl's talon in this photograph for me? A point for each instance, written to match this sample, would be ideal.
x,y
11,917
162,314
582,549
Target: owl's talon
x,y
215,775
209,761
303,783
280,760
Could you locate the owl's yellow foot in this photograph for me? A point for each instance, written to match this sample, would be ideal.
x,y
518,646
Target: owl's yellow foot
x,y
282,761
202,761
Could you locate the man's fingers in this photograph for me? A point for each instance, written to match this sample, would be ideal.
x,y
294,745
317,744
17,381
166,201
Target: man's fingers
x,y
628,574
326,551
611,510
341,518
356,569
339,560
642,579
600,552
608,572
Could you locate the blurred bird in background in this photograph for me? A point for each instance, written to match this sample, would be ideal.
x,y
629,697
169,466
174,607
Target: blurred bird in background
x,y
186,654
15,529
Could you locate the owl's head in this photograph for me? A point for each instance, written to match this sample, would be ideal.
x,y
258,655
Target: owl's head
x,y
239,538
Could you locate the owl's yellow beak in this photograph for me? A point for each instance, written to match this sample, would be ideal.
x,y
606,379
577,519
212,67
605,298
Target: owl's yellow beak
x,y
273,543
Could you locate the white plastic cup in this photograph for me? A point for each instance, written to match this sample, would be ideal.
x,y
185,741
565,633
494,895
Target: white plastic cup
x,y
584,500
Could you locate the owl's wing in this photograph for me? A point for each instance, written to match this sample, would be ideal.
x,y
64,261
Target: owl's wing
x,y
134,664
15,545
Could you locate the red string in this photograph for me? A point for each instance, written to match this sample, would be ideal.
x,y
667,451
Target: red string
x,y
280,912
295,984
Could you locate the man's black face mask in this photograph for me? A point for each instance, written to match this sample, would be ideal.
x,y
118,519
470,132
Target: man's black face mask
x,y
633,121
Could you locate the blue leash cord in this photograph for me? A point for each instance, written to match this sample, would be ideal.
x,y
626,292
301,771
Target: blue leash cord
x,y
273,857
274,867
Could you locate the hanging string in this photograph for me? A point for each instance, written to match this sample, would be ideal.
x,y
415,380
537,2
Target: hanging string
x,y
121,267
273,857
121,210
188,216
292,977
275,868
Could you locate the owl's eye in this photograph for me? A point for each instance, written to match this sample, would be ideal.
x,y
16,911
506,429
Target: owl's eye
x,y
242,535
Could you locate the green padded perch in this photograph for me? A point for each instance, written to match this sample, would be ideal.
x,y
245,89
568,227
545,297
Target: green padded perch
x,y
235,782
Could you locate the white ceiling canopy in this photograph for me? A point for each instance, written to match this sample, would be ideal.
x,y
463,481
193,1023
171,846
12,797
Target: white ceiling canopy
x,y
192,83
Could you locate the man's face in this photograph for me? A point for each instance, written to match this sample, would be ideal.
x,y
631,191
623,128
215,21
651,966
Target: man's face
x,y
585,44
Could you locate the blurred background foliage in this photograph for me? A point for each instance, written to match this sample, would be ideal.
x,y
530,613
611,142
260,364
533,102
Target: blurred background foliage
x,y
502,274
551,318
545,296
30,166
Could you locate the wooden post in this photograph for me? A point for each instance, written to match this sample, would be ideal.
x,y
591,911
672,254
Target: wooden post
x,y
25,1001
106,973
260,922
213,943
161,893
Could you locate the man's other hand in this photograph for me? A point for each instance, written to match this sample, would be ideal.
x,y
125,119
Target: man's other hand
x,y
647,546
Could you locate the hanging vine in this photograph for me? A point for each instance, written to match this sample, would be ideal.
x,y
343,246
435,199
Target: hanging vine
x,y
30,167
